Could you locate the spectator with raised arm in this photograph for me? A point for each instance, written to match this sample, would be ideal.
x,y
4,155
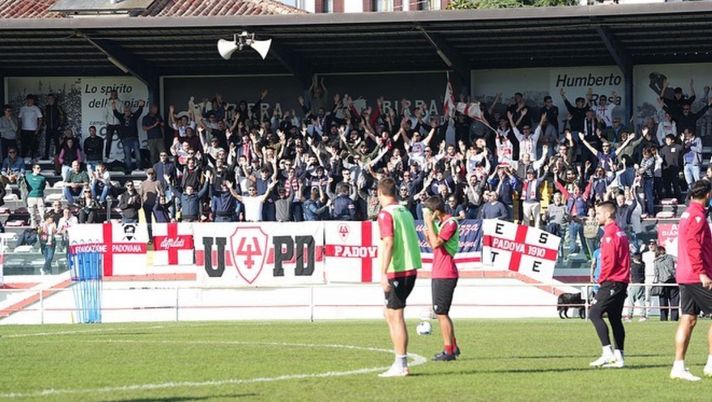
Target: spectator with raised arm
x,y
528,140
685,119
189,200
578,112
113,124
128,133
691,155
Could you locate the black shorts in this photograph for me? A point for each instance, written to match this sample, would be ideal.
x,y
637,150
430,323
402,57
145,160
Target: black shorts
x,y
442,294
610,298
400,289
695,298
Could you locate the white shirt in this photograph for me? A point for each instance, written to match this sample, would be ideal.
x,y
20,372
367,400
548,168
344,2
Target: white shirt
x,y
65,224
605,114
105,177
527,145
29,115
253,208
109,116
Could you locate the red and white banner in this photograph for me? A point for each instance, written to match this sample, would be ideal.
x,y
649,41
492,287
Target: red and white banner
x,y
123,245
352,251
519,248
668,236
173,244
449,100
259,254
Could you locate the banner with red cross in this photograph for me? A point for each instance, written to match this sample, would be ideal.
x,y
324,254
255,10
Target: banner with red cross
x,y
123,245
519,248
173,244
352,251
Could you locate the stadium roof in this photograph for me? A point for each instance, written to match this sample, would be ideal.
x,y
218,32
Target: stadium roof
x,y
178,43
142,8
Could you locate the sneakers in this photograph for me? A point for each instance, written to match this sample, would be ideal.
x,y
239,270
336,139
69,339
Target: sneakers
x,y
443,357
684,375
627,319
707,371
395,371
602,361
615,364
643,319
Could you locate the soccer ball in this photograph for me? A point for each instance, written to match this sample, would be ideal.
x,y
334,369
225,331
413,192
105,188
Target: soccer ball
x,y
424,328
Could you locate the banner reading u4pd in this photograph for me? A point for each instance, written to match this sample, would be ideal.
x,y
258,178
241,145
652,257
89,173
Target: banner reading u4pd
x,y
264,254
519,248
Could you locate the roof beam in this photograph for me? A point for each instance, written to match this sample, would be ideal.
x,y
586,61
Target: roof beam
x,y
133,64
451,57
625,63
292,62
615,48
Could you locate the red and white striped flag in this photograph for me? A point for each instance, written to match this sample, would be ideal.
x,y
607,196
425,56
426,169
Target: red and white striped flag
x,y
471,110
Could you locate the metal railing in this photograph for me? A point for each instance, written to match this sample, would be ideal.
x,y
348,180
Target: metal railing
x,y
35,299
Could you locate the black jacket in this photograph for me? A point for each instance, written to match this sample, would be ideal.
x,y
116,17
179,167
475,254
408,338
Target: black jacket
x,y
54,117
128,127
129,204
93,148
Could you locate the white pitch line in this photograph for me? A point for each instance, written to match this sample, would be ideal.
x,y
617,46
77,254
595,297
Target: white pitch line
x,y
417,360
89,331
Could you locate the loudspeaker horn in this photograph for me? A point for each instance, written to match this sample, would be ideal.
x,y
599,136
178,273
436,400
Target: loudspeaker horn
x,y
227,47
261,46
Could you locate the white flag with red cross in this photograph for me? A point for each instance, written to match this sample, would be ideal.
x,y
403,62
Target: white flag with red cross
x,y
527,250
123,245
449,100
352,251
173,243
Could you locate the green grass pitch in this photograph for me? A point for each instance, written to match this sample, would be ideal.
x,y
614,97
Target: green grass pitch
x,y
522,360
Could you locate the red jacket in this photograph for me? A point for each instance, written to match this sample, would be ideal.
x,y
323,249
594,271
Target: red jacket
x,y
694,245
615,255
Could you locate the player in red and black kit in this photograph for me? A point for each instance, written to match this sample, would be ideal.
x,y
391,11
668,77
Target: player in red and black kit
x,y
444,239
693,273
613,280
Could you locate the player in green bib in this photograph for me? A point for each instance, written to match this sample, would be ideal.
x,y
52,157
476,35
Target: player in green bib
x,y
400,260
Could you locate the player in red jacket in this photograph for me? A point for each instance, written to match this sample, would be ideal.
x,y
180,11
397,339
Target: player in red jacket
x,y
694,270
613,279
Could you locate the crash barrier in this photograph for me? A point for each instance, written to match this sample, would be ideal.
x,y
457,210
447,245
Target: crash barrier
x,y
484,298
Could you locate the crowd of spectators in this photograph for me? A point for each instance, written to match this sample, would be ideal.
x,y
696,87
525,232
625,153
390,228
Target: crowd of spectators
x,y
535,165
